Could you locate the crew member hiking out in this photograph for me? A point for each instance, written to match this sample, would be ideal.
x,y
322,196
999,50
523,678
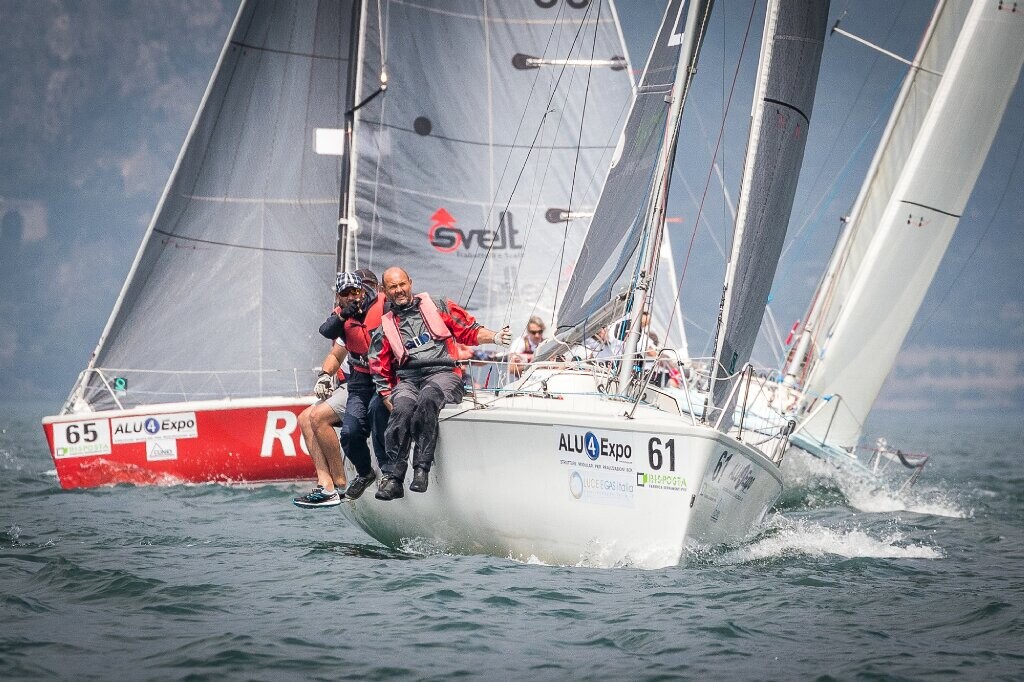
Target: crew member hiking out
x,y
357,315
417,343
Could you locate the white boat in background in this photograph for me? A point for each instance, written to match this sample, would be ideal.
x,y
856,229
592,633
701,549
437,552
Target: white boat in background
x,y
210,352
931,153
583,461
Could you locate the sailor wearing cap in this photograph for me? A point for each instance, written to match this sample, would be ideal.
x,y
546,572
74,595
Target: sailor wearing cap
x,y
357,312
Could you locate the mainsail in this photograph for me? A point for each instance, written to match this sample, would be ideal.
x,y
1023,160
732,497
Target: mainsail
x,y
787,77
228,288
497,118
496,113
931,153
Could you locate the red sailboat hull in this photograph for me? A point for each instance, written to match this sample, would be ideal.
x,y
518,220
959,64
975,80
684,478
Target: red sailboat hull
x,y
230,441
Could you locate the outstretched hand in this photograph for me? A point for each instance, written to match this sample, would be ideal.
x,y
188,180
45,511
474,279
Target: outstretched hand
x,y
503,337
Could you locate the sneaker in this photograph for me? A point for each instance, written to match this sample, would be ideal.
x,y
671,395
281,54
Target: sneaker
x,y
420,480
318,498
390,488
358,485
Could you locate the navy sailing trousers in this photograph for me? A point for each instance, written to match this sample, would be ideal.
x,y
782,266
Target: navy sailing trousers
x,y
417,404
365,415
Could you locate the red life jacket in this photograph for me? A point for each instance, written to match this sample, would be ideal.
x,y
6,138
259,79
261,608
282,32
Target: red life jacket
x,y
431,318
357,334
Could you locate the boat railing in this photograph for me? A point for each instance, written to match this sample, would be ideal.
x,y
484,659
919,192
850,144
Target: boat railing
x,y
104,388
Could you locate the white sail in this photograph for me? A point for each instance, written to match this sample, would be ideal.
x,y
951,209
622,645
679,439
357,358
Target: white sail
x,y
930,156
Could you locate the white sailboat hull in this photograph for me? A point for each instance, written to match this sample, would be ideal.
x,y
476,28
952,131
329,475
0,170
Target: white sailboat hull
x,y
514,479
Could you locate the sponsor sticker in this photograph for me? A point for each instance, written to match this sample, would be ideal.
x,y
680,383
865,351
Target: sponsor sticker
x,y
734,474
608,450
81,439
604,488
159,450
154,427
660,481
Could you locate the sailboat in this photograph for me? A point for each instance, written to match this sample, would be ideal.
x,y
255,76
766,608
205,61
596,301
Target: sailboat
x,y
584,461
210,352
931,153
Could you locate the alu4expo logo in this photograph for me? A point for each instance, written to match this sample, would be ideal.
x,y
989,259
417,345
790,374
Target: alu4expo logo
x,y
593,446
446,238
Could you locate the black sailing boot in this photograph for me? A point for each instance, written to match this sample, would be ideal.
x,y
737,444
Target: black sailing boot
x,y
390,488
420,480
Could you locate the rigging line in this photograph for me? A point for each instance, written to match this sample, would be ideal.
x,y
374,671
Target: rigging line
x,y
383,31
834,186
365,101
839,131
540,178
540,128
534,199
575,167
714,157
529,97
288,53
800,240
1009,181
239,246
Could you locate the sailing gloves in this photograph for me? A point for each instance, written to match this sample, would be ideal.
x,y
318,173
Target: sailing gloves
x,y
503,337
324,386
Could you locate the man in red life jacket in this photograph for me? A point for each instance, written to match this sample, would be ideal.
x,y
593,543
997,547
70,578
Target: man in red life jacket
x,y
416,345
356,315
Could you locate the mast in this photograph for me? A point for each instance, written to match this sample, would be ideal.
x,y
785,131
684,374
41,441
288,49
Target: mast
x,y
346,206
691,39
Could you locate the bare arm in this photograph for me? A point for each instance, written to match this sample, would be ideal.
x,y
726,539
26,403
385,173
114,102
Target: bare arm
x,y
332,363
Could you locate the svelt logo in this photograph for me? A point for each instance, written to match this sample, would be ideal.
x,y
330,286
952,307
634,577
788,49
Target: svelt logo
x,y
593,446
446,238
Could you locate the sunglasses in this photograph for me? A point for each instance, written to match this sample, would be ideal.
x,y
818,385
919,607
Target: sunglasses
x,y
532,332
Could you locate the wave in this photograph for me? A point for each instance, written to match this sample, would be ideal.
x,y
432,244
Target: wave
x,y
813,483
786,538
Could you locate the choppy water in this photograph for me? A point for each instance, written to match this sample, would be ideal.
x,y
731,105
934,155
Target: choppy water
x,y
194,582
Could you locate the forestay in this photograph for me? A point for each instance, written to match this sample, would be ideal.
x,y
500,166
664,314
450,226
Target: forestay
x,y
483,142
231,280
918,184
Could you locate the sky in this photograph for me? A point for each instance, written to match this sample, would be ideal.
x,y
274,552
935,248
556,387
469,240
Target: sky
x,y
96,98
